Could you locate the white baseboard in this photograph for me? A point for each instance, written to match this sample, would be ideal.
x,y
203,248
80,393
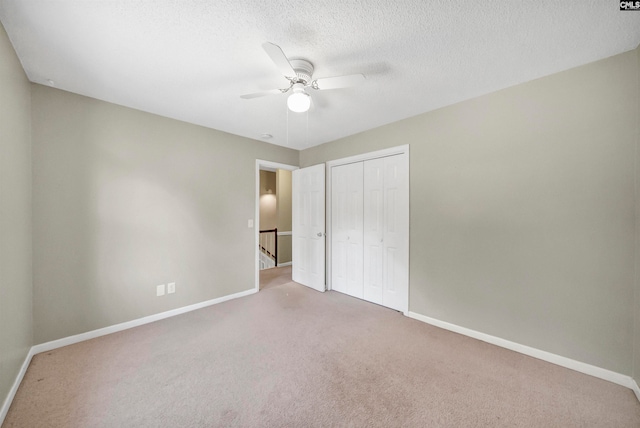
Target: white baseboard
x,y
636,389
14,388
54,344
284,264
611,376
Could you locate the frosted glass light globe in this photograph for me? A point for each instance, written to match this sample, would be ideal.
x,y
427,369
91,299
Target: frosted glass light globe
x,y
299,102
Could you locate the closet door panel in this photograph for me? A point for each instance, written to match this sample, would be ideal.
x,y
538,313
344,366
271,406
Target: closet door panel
x,y
346,208
373,229
354,230
396,233
339,229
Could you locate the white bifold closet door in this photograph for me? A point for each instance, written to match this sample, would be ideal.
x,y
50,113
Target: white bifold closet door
x,y
346,236
386,232
373,230
369,222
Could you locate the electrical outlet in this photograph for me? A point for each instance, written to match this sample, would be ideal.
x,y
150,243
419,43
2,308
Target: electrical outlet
x,y
160,290
171,288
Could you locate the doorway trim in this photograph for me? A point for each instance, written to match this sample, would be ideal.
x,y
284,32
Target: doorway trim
x,y
397,150
266,166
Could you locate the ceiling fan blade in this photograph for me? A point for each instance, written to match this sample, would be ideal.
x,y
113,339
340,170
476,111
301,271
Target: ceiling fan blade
x,y
262,94
338,82
279,59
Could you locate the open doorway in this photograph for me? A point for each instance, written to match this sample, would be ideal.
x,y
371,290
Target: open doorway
x,y
273,224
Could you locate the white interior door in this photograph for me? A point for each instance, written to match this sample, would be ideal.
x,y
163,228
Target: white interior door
x,y
308,226
373,229
346,229
395,283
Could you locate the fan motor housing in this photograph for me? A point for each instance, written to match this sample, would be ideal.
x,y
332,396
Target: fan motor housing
x,y
303,69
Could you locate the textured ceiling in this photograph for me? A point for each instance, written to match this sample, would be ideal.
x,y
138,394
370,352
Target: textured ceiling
x,y
191,60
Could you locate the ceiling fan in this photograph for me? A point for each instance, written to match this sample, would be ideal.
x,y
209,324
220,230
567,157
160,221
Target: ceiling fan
x,y
299,73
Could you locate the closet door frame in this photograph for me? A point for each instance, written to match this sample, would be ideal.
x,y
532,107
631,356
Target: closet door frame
x,y
398,150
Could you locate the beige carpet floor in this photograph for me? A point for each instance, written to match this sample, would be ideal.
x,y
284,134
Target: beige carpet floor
x,y
292,357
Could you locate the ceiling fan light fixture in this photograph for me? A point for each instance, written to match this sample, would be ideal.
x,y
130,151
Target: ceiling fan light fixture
x,y
299,102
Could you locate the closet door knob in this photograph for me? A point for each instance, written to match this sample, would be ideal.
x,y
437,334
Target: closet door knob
x,y
319,234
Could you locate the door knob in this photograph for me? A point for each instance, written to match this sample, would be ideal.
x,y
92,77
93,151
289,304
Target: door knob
x,y
319,234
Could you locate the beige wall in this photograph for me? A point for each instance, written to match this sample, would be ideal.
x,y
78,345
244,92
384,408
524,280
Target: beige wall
x,y
16,332
522,210
125,200
268,200
283,185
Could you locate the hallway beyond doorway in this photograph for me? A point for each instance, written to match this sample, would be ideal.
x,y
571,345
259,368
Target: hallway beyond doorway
x,y
275,276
